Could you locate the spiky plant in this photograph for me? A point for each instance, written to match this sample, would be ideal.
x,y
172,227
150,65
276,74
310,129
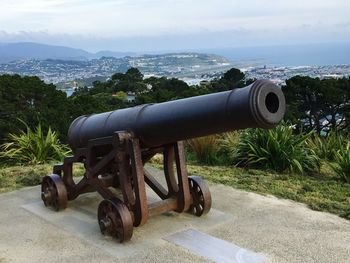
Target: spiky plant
x,y
341,166
228,143
278,149
33,146
326,147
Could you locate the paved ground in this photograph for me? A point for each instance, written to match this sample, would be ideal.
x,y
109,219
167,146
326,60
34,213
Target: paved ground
x,y
282,230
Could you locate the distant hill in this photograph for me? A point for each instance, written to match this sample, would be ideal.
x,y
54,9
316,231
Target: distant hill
x,y
28,50
107,53
172,65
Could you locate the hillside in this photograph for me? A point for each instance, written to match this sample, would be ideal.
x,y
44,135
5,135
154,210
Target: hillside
x,y
172,65
28,50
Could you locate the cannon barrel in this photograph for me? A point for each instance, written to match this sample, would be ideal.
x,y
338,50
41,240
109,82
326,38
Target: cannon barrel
x,y
259,105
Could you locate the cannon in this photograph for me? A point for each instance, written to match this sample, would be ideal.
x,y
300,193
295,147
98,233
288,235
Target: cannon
x,y
115,146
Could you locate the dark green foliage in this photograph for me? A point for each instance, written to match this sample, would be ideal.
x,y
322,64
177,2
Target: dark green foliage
x,y
33,147
320,105
233,75
326,147
278,149
232,79
342,162
33,101
228,143
164,89
131,81
83,103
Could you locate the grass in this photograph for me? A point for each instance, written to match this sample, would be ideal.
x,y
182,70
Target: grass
x,y
322,193
16,177
205,149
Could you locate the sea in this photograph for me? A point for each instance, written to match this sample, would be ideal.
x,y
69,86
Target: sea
x,y
320,54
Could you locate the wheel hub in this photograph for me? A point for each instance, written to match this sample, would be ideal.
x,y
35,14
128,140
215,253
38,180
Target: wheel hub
x,y
105,224
46,196
54,192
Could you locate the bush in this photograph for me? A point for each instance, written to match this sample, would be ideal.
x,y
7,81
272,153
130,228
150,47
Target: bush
x,y
228,143
342,162
326,147
33,147
205,149
277,149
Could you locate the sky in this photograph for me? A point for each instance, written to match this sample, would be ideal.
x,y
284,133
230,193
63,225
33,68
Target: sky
x,y
153,25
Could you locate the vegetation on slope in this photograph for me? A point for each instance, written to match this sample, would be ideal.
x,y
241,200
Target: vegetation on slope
x,y
18,176
306,160
322,192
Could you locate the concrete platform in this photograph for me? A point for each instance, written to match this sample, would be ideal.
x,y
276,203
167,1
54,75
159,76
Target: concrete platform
x,y
282,230
80,220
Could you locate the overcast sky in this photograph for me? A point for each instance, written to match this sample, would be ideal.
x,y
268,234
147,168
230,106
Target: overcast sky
x,y
141,25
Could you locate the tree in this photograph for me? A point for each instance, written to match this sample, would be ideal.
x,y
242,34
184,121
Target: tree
x,y
233,75
131,81
34,102
164,89
231,79
83,104
322,105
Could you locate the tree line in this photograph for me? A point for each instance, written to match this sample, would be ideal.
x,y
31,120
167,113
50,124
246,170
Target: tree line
x,y
312,103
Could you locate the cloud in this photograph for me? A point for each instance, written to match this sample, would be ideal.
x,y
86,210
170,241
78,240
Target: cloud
x,y
77,21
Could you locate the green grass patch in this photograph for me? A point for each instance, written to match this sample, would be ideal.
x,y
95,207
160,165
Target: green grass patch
x,y
323,193
15,177
320,192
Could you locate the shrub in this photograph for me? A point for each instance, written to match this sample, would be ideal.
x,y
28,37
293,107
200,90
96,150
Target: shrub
x,y
157,159
33,147
326,147
228,143
205,149
342,162
277,149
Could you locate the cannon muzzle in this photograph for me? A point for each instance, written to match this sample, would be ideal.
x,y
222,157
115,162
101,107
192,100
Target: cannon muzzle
x,y
259,105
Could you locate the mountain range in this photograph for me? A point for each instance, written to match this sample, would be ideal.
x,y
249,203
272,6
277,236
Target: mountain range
x,y
28,50
278,55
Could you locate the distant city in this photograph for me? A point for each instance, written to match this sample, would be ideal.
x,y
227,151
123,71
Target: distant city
x,y
70,73
79,69
278,75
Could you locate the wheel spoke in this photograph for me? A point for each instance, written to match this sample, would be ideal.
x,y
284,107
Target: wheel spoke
x,y
121,226
200,196
56,193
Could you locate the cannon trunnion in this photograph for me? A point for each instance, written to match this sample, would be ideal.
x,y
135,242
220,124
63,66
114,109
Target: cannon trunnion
x,y
115,146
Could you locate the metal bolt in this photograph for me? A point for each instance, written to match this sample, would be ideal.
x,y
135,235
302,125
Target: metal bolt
x,y
105,223
46,196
